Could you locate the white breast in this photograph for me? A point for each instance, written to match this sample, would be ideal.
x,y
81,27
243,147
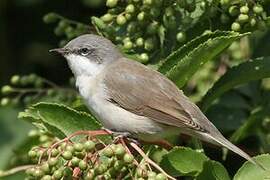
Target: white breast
x,y
112,116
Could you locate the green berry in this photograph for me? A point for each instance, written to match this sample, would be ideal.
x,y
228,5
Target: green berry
x,y
128,45
236,26
141,16
67,155
54,152
141,170
130,8
111,3
70,148
108,151
30,171
224,2
52,161
78,147
120,150
121,20
33,133
144,57
149,44
151,174
5,101
89,145
46,177
15,80
82,165
107,17
161,176
181,37
58,174
257,9
75,161
148,2
244,9
118,165
50,18
90,175
252,22
45,168
140,42
128,16
233,10
32,154
100,169
128,158
243,18
38,173
6,90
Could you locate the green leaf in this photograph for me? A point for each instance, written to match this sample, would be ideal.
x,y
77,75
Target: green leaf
x,y
250,171
226,119
177,55
183,161
60,120
184,62
251,125
243,73
213,170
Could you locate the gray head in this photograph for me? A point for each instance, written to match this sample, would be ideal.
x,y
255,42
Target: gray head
x,y
88,54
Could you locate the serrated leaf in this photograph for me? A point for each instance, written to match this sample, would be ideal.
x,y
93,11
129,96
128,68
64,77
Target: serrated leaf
x,y
213,170
250,171
183,161
243,73
177,55
185,64
60,120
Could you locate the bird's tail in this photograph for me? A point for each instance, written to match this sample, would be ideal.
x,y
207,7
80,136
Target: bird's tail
x,y
219,139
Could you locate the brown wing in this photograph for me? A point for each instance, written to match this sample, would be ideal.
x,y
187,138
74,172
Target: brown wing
x,y
148,93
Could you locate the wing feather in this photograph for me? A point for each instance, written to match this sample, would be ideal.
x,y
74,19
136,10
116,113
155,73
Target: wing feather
x,y
145,92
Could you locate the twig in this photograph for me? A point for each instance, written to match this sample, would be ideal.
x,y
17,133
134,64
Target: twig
x,y
15,170
150,161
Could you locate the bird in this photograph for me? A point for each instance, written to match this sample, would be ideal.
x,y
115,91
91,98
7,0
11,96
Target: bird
x,y
129,97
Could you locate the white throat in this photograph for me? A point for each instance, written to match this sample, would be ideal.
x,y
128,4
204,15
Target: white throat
x,y
82,66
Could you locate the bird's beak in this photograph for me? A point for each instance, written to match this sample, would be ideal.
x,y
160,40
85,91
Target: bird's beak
x,y
61,51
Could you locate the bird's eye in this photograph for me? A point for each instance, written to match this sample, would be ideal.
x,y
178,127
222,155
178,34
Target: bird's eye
x,y
84,51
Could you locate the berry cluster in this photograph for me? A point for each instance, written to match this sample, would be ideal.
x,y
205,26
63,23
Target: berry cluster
x,y
87,159
65,27
246,15
140,26
30,88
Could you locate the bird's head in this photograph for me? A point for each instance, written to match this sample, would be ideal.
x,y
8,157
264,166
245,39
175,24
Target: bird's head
x,y
88,54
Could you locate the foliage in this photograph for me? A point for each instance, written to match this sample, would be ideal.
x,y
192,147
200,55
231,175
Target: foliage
x,y
181,39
